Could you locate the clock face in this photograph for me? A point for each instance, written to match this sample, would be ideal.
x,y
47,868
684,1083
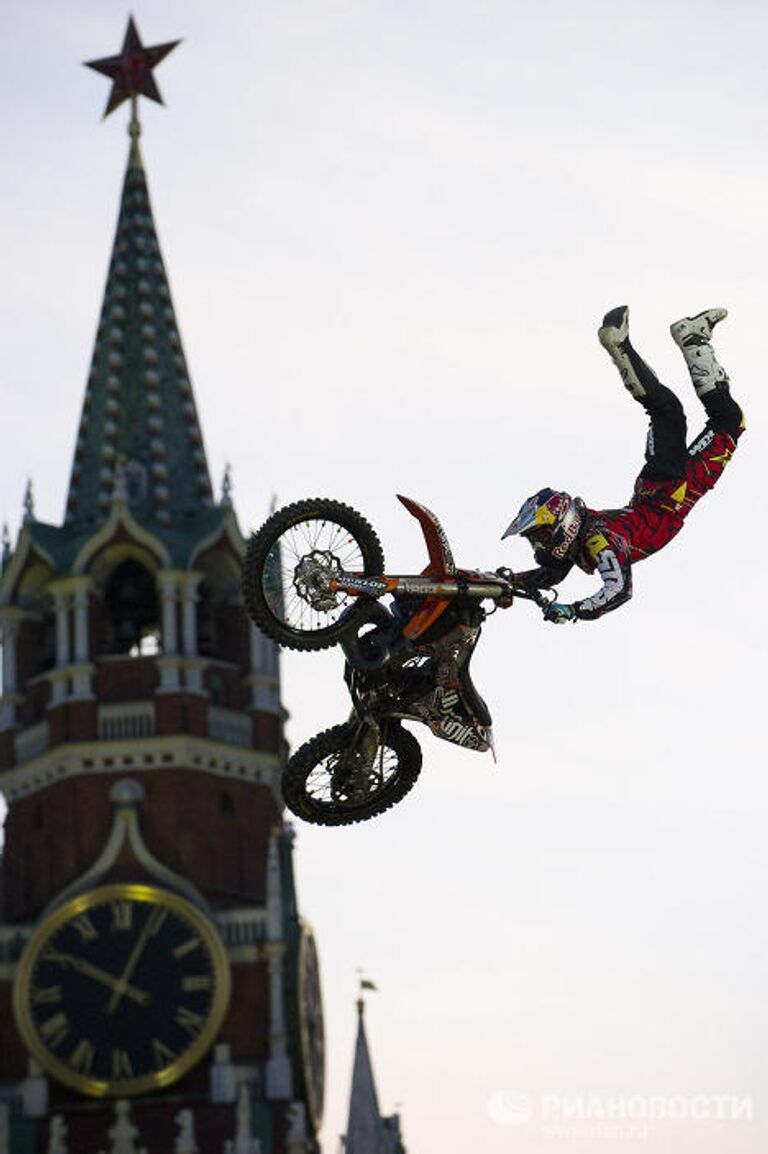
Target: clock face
x,y
311,1027
122,990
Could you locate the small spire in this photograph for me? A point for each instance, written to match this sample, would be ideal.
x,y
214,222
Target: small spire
x,y
244,1142
124,1134
365,984
57,1136
226,487
296,1115
135,159
222,1075
29,502
6,546
365,1125
186,1142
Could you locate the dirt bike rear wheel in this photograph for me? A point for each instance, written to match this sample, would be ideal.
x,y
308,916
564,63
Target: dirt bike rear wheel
x,y
291,557
328,782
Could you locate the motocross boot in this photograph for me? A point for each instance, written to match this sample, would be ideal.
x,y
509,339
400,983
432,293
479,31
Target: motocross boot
x,y
638,377
692,336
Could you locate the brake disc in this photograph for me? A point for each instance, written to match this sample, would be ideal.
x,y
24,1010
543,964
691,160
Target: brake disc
x,y
312,578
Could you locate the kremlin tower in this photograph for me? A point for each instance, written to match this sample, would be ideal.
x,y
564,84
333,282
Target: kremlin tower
x,y
159,990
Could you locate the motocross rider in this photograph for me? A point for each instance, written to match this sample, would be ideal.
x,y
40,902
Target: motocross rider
x,y
564,532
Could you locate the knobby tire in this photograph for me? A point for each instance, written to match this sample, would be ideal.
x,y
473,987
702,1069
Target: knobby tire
x,y
334,741
257,556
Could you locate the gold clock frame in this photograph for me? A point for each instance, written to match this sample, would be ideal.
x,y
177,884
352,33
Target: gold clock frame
x,y
128,1087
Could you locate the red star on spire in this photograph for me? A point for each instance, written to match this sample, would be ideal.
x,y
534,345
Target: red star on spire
x,y
131,71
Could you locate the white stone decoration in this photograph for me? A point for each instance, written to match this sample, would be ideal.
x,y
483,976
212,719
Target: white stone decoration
x,y
244,1143
278,1073
186,1142
198,755
222,1074
57,1136
124,1135
34,1092
297,1139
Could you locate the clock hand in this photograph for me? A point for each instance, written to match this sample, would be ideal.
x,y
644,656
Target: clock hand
x,y
121,987
98,975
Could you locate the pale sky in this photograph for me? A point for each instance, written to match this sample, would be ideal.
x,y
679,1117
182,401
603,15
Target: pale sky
x,y
391,231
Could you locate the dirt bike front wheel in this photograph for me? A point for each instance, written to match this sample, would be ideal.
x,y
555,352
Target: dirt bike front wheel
x,y
345,775
290,563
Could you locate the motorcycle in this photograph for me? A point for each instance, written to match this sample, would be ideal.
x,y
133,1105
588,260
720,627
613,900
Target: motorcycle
x,y
313,577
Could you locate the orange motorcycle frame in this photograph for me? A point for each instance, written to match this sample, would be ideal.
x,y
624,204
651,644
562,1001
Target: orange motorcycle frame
x,y
438,584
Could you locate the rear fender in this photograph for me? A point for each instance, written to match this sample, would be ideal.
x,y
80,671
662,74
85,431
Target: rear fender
x,y
441,563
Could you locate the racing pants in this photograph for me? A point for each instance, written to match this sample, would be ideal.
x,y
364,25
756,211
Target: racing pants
x,y
676,475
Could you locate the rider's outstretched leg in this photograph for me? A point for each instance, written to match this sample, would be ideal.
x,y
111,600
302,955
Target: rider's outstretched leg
x,y
715,445
638,376
665,453
693,335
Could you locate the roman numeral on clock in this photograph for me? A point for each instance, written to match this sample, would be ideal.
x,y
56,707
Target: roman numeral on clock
x,y
122,916
81,1058
186,947
84,927
189,1020
44,995
194,983
55,1029
163,1055
121,1065
155,920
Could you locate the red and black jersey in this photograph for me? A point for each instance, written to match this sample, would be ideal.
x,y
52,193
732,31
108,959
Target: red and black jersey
x,y
612,540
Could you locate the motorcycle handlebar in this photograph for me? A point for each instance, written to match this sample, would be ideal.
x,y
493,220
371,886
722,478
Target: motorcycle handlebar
x,y
536,595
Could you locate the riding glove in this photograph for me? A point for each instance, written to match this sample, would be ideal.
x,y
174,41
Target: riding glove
x,y
559,614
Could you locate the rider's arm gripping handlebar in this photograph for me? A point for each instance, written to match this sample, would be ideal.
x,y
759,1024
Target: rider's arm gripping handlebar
x,y
526,592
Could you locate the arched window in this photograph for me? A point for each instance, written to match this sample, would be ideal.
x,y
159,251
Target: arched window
x,y
219,614
37,646
131,611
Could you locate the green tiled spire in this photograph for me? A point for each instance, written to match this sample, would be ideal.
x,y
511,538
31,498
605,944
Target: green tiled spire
x,y
139,434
